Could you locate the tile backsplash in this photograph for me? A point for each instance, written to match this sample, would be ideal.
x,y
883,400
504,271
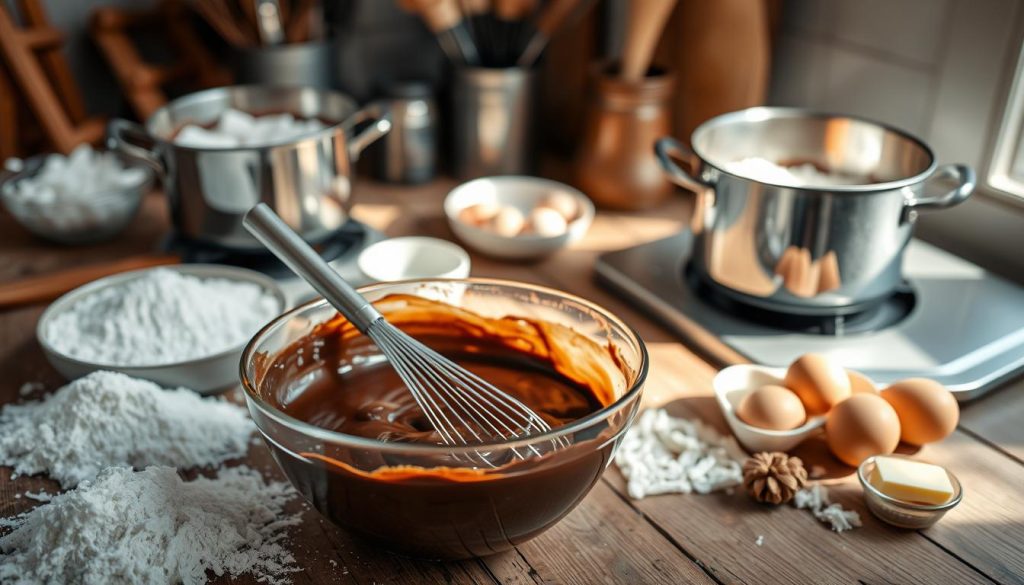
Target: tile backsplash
x,y
934,67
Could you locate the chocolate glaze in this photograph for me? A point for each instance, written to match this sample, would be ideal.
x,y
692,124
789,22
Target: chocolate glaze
x,y
434,504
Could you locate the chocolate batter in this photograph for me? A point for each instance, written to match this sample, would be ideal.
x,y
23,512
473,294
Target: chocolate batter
x,y
432,504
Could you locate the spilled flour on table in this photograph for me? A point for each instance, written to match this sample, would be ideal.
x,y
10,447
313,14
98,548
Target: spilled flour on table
x,y
151,527
661,454
108,419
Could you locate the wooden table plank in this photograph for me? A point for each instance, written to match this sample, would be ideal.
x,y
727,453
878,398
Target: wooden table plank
x,y
997,419
610,538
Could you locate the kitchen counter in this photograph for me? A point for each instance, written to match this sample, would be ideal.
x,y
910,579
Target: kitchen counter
x,y
610,538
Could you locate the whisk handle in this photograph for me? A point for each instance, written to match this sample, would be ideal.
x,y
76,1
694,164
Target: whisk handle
x,y
267,227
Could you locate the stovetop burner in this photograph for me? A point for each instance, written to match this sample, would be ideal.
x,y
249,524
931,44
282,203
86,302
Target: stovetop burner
x,y
886,313
351,236
954,322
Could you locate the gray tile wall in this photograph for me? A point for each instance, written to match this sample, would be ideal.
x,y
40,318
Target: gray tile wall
x,y
933,67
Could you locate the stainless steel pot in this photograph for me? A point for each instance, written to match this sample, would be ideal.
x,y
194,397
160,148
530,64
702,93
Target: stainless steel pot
x,y
807,250
308,181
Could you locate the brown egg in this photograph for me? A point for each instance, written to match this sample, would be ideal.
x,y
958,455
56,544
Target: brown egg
x,y
861,426
479,214
861,384
509,222
820,382
772,407
928,412
564,204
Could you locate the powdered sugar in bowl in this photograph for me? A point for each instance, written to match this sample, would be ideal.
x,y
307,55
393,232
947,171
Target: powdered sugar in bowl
x,y
177,326
88,196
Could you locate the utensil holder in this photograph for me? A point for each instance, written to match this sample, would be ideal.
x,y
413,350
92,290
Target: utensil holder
x,y
616,165
493,122
295,65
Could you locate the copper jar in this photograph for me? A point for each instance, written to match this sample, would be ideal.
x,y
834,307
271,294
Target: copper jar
x,y
616,165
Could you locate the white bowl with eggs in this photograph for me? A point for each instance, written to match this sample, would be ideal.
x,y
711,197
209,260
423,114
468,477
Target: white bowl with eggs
x,y
734,383
518,217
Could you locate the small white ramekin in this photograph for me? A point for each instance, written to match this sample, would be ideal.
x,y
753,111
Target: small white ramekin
x,y
412,258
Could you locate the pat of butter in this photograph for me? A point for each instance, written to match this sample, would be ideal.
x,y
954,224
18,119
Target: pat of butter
x,y
911,481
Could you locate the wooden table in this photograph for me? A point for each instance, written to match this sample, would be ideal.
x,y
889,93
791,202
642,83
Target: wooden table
x,y
610,538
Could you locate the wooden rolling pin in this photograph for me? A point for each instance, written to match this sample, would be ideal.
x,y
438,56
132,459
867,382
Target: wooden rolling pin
x,y
646,20
46,287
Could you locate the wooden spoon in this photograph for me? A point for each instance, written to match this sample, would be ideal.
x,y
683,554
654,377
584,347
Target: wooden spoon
x,y
646,21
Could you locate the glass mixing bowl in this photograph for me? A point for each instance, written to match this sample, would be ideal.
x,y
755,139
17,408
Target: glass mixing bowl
x,y
482,511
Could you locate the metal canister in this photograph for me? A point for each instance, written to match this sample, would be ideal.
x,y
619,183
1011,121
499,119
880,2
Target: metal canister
x,y
493,116
408,154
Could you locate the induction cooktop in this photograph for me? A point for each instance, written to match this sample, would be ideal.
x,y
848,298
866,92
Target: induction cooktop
x,y
951,321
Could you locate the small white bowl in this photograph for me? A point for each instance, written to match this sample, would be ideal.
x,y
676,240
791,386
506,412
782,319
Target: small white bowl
x,y
734,382
523,193
205,375
413,257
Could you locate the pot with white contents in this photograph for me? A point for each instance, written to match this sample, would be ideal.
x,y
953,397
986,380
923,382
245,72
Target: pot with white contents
x,y
305,176
806,213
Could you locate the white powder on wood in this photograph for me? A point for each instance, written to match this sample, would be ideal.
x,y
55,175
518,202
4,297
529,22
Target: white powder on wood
x,y
109,419
162,317
152,527
661,454
815,499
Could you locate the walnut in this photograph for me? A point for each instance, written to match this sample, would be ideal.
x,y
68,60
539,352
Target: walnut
x,y
773,478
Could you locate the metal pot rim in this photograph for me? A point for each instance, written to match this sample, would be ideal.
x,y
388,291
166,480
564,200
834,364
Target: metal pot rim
x,y
761,113
210,93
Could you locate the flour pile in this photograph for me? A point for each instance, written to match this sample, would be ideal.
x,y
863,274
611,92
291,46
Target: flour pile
x,y
661,454
107,419
805,175
152,527
162,317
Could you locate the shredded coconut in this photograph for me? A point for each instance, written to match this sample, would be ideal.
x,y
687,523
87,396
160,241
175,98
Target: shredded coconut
x,y
108,419
152,527
805,175
815,499
661,454
161,317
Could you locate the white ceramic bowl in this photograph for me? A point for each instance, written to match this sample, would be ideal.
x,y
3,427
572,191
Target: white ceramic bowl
x,y
206,375
734,382
523,193
413,258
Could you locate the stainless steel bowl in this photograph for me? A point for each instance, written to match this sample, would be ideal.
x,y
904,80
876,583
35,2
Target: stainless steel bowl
x,y
812,250
307,181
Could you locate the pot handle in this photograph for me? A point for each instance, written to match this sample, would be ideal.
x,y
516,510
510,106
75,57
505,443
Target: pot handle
x,y
132,140
380,124
963,174
668,148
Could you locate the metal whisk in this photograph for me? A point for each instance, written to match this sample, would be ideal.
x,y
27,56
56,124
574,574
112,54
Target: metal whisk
x,y
462,407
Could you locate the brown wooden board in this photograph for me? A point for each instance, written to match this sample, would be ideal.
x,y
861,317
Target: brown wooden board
x,y
610,538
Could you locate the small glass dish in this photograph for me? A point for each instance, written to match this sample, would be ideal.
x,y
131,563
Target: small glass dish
x,y
901,513
101,216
